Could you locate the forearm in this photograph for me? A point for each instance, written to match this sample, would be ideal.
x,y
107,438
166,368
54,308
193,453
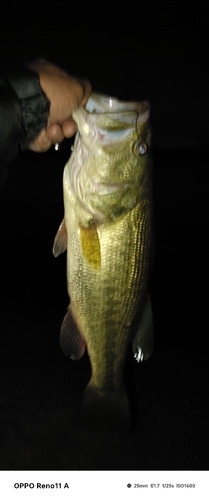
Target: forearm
x,y
24,111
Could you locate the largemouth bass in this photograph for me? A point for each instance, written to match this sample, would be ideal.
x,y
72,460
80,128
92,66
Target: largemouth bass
x,y
107,231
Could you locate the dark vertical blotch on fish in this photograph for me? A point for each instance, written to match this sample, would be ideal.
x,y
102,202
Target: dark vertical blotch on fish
x,y
71,341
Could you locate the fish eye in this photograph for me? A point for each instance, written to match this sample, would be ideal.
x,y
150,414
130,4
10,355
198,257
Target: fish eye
x,y
140,148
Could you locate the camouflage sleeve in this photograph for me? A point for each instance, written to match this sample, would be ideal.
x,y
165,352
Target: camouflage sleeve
x,y
24,111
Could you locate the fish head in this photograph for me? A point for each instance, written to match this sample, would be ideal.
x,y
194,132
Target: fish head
x,y
112,155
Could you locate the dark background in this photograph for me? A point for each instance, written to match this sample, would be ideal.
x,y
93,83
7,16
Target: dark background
x,y
158,52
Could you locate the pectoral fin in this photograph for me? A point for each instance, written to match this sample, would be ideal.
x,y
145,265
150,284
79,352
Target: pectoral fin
x,y
90,245
60,241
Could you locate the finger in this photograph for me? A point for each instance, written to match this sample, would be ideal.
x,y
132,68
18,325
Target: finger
x,y
69,128
41,143
55,133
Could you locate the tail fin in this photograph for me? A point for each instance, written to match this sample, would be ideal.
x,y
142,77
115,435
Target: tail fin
x,y
106,409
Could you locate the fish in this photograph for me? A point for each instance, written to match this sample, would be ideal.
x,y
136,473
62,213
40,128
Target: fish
x,y
107,231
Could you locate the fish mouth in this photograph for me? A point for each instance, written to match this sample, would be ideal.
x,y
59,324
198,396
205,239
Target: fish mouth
x,y
105,116
98,103
108,122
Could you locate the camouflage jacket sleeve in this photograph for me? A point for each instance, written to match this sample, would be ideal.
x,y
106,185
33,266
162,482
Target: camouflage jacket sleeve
x,y
24,110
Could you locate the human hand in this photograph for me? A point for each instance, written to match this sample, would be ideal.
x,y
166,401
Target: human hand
x,y
65,94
